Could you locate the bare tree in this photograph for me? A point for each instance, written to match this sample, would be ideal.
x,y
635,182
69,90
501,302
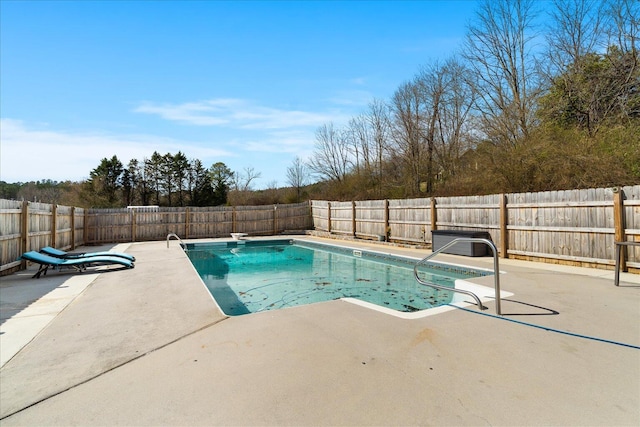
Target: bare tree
x,y
369,135
432,82
431,123
297,176
331,158
454,128
623,25
407,105
243,181
358,132
576,29
498,47
380,125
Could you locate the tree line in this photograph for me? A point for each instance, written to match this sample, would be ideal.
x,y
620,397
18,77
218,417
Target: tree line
x,y
163,180
519,108
175,180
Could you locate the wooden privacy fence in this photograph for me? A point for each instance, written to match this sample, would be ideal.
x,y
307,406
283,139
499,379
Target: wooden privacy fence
x,y
574,226
28,226
144,224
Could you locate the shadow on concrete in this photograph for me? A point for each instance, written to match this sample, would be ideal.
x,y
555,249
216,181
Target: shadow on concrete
x,y
545,311
19,290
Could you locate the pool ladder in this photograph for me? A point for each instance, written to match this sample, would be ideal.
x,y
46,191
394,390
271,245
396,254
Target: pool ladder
x,y
177,237
496,271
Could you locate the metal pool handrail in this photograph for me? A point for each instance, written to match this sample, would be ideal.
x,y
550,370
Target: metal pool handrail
x,y
618,249
176,236
496,270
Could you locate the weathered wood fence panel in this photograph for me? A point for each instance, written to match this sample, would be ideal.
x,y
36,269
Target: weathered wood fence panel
x,y
477,213
370,220
632,221
11,232
341,214
209,222
156,224
573,226
320,214
28,226
410,220
145,224
64,220
109,225
79,216
255,219
40,225
293,217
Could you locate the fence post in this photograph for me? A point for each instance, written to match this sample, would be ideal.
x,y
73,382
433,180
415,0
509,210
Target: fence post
x,y
275,219
233,219
24,231
186,223
353,218
73,227
54,220
504,233
387,230
619,225
329,217
134,225
85,226
434,214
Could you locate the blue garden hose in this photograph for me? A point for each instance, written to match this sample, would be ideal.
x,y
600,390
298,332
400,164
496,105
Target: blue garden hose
x,y
546,328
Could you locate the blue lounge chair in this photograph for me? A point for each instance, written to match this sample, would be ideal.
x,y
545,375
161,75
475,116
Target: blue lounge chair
x,y
79,264
57,253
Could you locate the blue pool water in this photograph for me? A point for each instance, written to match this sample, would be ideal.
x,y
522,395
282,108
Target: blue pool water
x,y
251,276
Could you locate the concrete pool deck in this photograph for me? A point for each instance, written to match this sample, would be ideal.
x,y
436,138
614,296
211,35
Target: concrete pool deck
x,y
148,346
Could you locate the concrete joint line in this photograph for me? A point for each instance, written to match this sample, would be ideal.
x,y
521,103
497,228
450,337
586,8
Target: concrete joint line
x,y
117,366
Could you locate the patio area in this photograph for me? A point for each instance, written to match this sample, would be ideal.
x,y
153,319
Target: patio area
x,y
149,346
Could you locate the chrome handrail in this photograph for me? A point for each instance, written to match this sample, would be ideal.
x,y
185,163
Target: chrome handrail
x,y
496,270
177,237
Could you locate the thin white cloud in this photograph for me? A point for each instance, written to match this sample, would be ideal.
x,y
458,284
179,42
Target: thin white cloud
x,y
33,154
205,113
237,113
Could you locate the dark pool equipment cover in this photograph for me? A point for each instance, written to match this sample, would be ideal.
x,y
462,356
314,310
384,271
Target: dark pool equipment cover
x,y
442,237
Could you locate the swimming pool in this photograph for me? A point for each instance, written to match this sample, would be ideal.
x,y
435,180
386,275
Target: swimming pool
x,y
252,276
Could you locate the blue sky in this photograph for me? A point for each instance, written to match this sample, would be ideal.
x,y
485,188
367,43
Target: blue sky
x,y
244,83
